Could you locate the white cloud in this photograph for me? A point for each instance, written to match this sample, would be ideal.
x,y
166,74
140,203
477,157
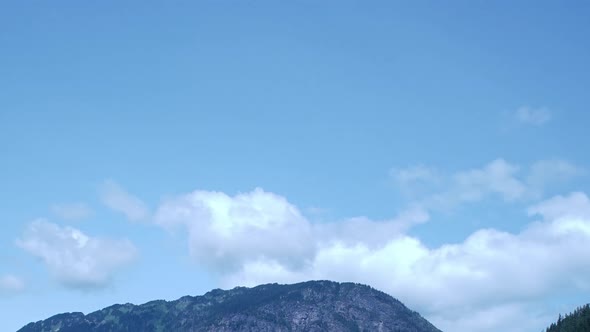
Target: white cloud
x,y
575,206
259,237
413,174
72,211
489,267
544,173
116,198
415,180
532,116
364,230
10,284
509,317
225,231
498,178
73,258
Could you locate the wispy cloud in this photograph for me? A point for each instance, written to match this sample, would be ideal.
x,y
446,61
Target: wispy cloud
x,y
498,178
413,174
10,284
415,180
532,116
72,211
545,173
74,258
118,199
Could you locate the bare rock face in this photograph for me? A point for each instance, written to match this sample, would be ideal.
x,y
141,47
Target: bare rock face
x,y
307,306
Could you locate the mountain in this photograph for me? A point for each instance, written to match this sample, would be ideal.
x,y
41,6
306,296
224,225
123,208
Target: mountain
x,y
577,321
307,306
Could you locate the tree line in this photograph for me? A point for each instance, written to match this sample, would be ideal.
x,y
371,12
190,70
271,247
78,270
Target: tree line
x,y
577,321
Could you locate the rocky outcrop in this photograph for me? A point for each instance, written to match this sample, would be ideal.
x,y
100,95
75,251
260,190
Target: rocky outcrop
x,y
307,306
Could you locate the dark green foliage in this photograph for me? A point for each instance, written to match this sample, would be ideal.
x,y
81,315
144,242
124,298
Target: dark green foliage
x,y
577,321
348,324
308,306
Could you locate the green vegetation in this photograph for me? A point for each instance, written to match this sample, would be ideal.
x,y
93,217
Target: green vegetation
x,y
577,321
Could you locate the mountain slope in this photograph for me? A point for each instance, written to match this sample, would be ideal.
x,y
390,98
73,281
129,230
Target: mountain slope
x,y
308,306
577,321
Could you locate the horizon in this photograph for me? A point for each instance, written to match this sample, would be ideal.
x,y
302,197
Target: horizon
x,y
432,151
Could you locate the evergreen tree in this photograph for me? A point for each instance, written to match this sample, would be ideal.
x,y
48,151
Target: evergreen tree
x,y
577,321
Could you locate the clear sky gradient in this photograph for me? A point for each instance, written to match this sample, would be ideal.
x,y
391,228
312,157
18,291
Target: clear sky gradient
x,y
436,151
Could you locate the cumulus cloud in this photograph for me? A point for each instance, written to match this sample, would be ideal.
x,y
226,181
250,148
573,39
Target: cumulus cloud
x,y
72,211
489,266
73,258
532,116
224,230
260,237
10,284
575,206
118,199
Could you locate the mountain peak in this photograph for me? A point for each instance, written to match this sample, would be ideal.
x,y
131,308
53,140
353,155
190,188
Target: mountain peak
x,y
308,306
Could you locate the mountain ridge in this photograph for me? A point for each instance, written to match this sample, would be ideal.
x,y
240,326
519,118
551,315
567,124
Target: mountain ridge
x,y
319,305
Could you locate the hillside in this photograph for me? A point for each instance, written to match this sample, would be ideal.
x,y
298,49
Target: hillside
x,y
308,306
577,321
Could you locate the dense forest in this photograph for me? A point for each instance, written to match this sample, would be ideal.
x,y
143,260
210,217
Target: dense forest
x,y
577,321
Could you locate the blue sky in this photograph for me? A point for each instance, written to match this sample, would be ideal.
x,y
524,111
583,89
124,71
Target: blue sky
x,y
434,151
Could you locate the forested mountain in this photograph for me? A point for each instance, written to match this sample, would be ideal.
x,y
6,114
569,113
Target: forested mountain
x,y
577,321
308,306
